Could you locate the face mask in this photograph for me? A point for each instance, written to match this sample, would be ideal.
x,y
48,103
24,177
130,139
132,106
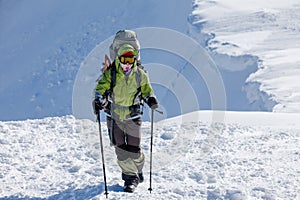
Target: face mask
x,y
126,67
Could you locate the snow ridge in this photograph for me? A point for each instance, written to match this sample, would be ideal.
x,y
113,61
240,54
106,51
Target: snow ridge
x,y
267,31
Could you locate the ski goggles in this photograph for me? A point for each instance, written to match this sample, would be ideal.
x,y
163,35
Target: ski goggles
x,y
127,59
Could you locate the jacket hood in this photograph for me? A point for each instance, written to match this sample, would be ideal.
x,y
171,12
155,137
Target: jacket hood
x,y
127,49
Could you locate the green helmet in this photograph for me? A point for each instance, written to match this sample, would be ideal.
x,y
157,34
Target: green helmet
x,y
127,50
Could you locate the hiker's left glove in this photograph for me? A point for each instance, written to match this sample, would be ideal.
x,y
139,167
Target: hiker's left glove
x,y
152,102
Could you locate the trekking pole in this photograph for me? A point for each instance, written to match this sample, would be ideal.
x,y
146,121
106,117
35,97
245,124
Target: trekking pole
x,y
102,155
151,144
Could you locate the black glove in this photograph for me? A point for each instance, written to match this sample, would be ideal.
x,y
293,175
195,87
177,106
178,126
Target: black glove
x,y
152,102
99,104
96,106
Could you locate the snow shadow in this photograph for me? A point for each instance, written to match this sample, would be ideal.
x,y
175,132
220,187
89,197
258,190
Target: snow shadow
x,y
80,194
241,94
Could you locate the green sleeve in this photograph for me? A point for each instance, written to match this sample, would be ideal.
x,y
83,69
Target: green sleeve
x,y
146,87
104,83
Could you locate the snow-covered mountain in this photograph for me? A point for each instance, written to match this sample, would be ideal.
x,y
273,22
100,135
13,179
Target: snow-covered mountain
x,y
200,55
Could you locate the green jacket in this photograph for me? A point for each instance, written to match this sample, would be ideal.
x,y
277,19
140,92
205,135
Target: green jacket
x,y
125,89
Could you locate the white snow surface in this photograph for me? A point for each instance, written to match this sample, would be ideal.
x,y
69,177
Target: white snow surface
x,y
246,156
201,155
266,29
43,43
255,45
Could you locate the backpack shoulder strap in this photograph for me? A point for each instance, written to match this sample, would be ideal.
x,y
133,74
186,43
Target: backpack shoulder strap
x,y
138,74
113,72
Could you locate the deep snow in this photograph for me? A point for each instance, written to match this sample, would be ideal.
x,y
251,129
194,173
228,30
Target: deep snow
x,y
247,156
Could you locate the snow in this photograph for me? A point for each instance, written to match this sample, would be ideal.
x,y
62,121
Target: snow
x,y
268,30
43,45
252,44
236,62
248,155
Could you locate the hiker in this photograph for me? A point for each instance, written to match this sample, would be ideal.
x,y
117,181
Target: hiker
x,y
120,92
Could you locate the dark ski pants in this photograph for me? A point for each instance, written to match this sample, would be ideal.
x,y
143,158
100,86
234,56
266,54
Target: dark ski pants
x,y
126,137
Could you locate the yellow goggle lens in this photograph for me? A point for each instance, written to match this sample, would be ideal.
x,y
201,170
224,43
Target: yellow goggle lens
x,y
126,60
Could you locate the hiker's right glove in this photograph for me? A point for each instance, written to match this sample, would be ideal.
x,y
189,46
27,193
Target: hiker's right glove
x,y
96,106
99,104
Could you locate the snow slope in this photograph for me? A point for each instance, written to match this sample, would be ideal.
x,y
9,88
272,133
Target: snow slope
x,y
202,155
268,30
43,43
254,44
247,156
